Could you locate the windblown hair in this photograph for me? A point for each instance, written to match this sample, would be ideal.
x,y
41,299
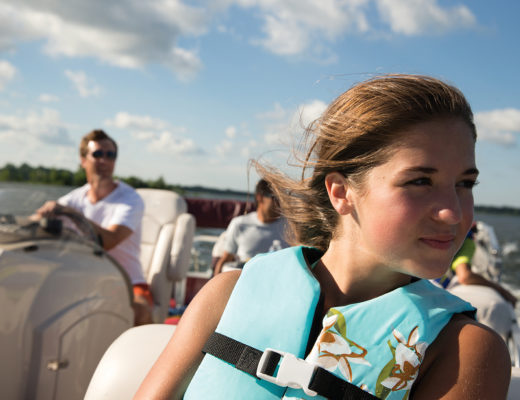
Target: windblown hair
x,y
96,135
357,132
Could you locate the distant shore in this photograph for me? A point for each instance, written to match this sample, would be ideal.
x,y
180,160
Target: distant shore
x,y
62,177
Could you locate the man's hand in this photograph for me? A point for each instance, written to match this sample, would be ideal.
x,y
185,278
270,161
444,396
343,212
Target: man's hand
x,y
50,208
226,257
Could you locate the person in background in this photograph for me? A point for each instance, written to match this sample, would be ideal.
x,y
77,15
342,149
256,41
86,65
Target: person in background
x,y
383,202
114,209
257,232
461,273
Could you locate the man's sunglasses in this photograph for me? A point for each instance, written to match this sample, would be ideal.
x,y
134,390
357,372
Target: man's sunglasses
x,y
110,155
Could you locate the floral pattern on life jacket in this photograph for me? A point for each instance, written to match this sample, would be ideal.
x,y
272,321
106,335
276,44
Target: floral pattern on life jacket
x,y
401,371
335,352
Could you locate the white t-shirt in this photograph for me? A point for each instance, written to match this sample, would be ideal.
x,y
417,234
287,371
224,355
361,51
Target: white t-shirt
x,y
123,206
246,236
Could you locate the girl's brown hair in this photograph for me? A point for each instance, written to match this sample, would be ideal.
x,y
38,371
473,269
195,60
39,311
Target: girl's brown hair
x,y
356,133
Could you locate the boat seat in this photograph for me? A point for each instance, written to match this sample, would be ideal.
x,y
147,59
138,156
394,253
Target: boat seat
x,y
514,386
127,361
166,239
492,310
129,358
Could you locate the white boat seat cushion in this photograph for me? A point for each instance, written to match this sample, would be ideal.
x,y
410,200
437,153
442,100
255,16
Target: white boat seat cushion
x,y
166,239
127,361
514,385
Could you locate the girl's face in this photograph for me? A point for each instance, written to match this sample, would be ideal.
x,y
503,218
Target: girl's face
x,y
414,211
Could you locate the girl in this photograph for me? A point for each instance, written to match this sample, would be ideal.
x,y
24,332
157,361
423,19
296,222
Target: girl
x,y
383,204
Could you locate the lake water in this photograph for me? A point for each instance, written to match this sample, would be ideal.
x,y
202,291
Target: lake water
x,y
23,199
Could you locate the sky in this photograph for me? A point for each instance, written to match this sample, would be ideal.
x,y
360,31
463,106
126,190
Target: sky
x,y
192,90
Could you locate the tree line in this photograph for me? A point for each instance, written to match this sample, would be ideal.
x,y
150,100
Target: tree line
x,y
63,177
58,176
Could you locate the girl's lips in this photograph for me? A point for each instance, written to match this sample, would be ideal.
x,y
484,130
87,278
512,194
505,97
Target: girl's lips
x,y
440,243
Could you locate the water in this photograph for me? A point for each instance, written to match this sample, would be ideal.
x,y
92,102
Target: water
x,y
507,229
23,199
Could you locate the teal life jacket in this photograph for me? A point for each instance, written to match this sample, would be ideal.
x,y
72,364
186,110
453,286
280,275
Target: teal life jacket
x,y
273,306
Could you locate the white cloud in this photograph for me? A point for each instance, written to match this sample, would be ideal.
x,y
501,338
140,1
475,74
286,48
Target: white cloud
x,y
159,135
246,151
499,126
276,114
292,27
279,129
144,135
231,132
228,146
311,111
166,143
124,33
85,86
45,127
284,125
7,73
124,120
133,34
48,98
415,17
224,148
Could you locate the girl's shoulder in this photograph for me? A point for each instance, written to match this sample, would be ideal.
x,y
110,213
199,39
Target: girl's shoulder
x,y
217,291
467,360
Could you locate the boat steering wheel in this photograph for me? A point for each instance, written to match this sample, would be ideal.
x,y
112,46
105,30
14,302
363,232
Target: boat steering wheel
x,y
79,221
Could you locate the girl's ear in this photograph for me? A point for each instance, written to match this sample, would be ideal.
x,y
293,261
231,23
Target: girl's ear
x,y
338,190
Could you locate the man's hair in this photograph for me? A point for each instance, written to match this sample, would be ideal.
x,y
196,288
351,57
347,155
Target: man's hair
x,y
96,136
263,188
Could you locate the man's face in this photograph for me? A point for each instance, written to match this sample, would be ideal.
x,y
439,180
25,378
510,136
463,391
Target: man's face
x,y
269,208
100,159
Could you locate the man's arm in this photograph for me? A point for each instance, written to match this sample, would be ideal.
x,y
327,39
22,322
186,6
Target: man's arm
x,y
226,257
229,247
466,276
110,236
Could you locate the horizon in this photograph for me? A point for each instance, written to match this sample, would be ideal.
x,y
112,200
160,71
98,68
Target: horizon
x,y
192,91
205,188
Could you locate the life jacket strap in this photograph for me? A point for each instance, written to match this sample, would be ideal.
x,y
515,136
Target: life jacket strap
x,y
283,369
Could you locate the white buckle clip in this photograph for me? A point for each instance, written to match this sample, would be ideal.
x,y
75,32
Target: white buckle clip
x,y
292,372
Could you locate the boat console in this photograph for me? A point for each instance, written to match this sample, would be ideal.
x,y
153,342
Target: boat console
x,y
63,301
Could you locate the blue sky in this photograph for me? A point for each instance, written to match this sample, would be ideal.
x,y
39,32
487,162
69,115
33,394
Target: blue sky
x,y
192,90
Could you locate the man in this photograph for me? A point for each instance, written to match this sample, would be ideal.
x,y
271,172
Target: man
x,y
461,268
257,232
114,209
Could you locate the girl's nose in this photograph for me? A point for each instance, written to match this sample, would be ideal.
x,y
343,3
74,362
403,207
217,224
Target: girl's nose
x,y
448,208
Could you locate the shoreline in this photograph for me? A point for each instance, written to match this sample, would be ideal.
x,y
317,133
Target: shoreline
x,y
202,191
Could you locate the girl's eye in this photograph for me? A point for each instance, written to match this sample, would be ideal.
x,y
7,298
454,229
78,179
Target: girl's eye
x,y
468,183
420,182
